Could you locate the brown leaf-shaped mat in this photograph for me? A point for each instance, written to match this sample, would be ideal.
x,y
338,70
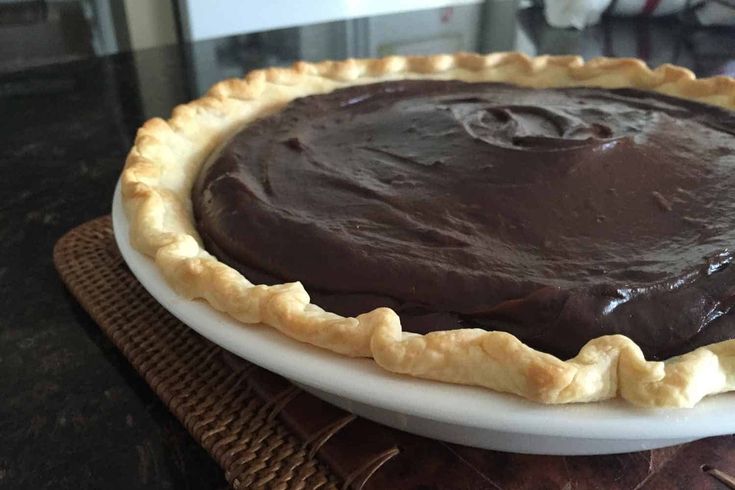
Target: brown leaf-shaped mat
x,y
265,432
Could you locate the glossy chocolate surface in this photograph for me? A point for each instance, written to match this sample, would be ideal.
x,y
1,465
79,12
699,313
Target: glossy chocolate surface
x,y
557,215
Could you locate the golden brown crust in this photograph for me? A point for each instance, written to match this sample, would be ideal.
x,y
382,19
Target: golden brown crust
x,y
167,155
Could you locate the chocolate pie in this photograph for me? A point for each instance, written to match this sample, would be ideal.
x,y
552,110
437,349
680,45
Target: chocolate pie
x,y
540,226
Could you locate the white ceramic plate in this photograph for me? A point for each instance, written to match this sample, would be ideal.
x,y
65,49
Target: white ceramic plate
x,y
461,414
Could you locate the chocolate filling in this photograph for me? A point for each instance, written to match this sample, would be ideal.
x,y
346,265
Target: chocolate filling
x,y
558,215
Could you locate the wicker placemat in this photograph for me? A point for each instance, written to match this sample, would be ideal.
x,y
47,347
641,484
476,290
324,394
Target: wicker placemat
x,y
264,432
185,370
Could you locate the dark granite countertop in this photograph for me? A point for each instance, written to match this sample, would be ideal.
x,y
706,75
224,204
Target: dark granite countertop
x,y
73,413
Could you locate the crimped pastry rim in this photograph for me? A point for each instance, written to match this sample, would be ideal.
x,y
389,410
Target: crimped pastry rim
x,y
166,157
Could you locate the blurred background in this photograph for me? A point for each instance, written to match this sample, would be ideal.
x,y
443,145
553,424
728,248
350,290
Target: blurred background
x,y
198,42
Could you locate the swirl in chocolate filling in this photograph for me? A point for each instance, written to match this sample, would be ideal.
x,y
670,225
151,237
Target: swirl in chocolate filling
x,y
558,215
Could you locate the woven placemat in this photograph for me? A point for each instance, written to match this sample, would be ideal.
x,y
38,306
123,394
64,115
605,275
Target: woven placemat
x,y
186,371
265,432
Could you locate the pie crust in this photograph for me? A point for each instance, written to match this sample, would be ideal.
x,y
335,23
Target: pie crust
x,y
166,158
